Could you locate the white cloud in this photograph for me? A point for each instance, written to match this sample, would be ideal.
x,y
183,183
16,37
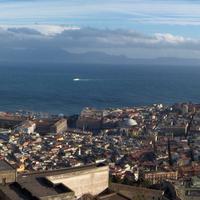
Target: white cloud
x,y
51,30
47,30
42,40
167,37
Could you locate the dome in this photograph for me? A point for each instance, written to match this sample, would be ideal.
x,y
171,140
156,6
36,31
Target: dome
x,y
130,122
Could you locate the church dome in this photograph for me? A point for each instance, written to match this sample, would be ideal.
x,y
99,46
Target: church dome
x,y
128,122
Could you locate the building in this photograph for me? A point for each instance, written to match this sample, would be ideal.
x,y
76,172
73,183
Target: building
x,y
128,123
9,121
90,119
135,193
26,127
35,188
65,184
157,177
188,189
45,126
92,179
188,171
59,127
69,184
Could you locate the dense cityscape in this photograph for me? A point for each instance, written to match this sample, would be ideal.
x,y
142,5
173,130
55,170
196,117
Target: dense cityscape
x,y
99,100
152,147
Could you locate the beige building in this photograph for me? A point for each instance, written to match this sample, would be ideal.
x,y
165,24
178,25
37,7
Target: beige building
x,y
59,127
157,177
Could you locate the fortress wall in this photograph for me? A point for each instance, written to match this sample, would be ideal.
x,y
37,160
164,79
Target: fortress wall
x,y
92,181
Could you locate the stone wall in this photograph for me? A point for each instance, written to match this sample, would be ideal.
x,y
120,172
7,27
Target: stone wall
x,y
135,193
93,181
7,176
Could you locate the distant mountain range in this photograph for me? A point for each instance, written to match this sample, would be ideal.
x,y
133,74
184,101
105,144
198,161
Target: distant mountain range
x,y
55,55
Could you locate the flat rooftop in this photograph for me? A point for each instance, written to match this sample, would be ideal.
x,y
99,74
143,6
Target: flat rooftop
x,y
5,166
30,186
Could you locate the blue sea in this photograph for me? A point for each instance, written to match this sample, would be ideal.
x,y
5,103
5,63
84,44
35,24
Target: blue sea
x,y
50,87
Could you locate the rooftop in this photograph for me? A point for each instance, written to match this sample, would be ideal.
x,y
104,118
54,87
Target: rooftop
x,y
5,166
34,185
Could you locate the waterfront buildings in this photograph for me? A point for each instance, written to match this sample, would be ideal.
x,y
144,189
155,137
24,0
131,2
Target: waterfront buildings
x,y
142,145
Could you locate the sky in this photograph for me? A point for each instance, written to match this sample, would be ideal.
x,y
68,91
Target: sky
x,y
133,28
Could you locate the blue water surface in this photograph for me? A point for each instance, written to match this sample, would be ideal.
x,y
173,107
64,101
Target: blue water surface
x,y
48,87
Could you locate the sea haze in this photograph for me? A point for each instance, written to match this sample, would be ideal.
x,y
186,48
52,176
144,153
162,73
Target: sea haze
x,y
51,88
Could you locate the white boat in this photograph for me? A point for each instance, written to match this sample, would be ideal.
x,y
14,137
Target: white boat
x,y
76,79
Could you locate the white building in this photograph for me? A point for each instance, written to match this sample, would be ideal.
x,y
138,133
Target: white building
x,y
26,127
